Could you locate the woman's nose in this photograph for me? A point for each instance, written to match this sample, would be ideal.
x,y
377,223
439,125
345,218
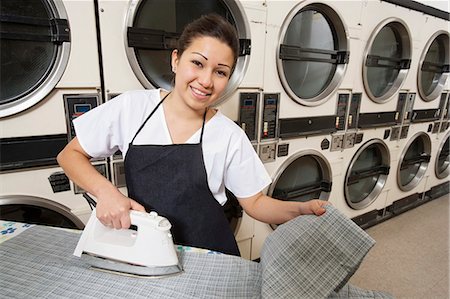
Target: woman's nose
x,y
205,78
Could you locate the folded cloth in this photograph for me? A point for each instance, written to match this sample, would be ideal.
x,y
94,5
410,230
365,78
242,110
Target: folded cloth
x,y
352,292
312,256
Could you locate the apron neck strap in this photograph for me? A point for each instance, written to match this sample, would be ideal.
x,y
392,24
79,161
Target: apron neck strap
x,y
203,125
156,108
148,117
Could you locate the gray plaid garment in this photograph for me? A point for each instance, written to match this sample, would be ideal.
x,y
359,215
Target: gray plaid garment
x,y
313,257
38,263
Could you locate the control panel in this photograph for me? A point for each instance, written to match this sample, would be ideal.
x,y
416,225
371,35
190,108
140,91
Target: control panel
x,y
248,114
75,106
269,122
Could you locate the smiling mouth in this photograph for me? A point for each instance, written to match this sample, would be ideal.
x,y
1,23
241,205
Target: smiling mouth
x,y
199,92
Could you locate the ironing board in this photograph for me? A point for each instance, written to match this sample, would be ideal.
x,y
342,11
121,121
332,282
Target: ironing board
x,y
38,263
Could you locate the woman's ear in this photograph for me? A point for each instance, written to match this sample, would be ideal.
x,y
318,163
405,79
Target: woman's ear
x,y
174,60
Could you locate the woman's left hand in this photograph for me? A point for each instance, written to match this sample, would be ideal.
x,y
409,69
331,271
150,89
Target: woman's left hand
x,y
314,207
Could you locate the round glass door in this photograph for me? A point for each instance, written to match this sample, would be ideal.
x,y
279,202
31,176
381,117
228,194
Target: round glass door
x,y
36,210
442,168
434,66
414,161
35,45
387,60
312,54
303,176
155,26
367,174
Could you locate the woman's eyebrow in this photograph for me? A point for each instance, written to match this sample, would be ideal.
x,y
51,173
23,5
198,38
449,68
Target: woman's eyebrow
x,y
206,58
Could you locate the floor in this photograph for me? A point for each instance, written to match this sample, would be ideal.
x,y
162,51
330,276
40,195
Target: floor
x,y
411,256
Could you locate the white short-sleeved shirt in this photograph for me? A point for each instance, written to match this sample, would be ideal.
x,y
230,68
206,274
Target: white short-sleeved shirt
x,y
229,157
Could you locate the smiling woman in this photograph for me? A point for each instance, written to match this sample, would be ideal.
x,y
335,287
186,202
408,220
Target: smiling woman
x,y
181,155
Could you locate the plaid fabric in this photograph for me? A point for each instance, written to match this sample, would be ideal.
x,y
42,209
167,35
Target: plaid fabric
x,y
39,263
312,256
307,257
352,292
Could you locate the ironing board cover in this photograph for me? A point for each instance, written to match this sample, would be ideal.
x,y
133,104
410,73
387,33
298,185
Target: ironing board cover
x,y
38,263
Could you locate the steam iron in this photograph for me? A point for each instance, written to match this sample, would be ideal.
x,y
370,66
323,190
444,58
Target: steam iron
x,y
146,252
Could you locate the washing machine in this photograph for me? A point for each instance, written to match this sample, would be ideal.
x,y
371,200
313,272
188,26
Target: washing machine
x,y
49,58
309,60
433,68
306,167
137,38
410,160
301,169
438,179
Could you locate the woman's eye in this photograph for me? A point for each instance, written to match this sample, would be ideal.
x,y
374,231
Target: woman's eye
x,y
197,63
222,73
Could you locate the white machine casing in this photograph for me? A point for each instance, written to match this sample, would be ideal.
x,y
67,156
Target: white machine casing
x,y
346,22
376,199
376,16
326,165
79,74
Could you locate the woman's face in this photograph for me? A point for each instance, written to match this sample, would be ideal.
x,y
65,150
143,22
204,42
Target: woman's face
x,y
202,71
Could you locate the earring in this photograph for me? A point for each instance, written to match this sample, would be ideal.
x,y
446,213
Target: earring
x,y
174,69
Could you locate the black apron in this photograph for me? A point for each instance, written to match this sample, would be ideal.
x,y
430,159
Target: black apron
x,y
172,180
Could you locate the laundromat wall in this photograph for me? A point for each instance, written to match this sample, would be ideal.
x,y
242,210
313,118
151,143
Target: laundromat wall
x,y
347,101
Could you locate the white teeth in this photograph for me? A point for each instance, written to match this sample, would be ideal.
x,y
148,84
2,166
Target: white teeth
x,y
198,91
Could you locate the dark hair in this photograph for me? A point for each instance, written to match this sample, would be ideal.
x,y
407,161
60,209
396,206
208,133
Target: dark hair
x,y
211,25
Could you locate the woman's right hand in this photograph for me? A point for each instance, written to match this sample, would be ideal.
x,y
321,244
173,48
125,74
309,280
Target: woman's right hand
x,y
113,209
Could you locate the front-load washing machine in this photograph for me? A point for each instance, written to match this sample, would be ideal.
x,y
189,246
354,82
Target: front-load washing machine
x,y
410,160
309,60
387,47
433,68
302,169
360,193
137,38
49,58
438,175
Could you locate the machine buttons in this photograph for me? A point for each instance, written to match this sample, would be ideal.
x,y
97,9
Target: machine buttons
x,y
59,182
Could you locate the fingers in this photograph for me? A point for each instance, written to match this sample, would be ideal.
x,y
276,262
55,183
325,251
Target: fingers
x,y
136,206
318,207
117,220
117,215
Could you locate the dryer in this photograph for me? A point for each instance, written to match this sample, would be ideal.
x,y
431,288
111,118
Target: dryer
x,y
438,179
307,167
410,160
301,169
137,38
433,67
310,59
361,191
49,54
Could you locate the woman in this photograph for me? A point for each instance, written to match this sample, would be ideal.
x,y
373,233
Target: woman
x,y
180,154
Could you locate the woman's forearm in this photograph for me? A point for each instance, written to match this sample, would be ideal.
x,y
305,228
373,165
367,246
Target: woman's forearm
x,y
274,211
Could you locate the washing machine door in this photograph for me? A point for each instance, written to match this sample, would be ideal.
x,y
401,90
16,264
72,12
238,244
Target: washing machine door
x,y
303,176
312,53
367,174
37,210
442,166
434,66
35,45
155,26
387,60
414,161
